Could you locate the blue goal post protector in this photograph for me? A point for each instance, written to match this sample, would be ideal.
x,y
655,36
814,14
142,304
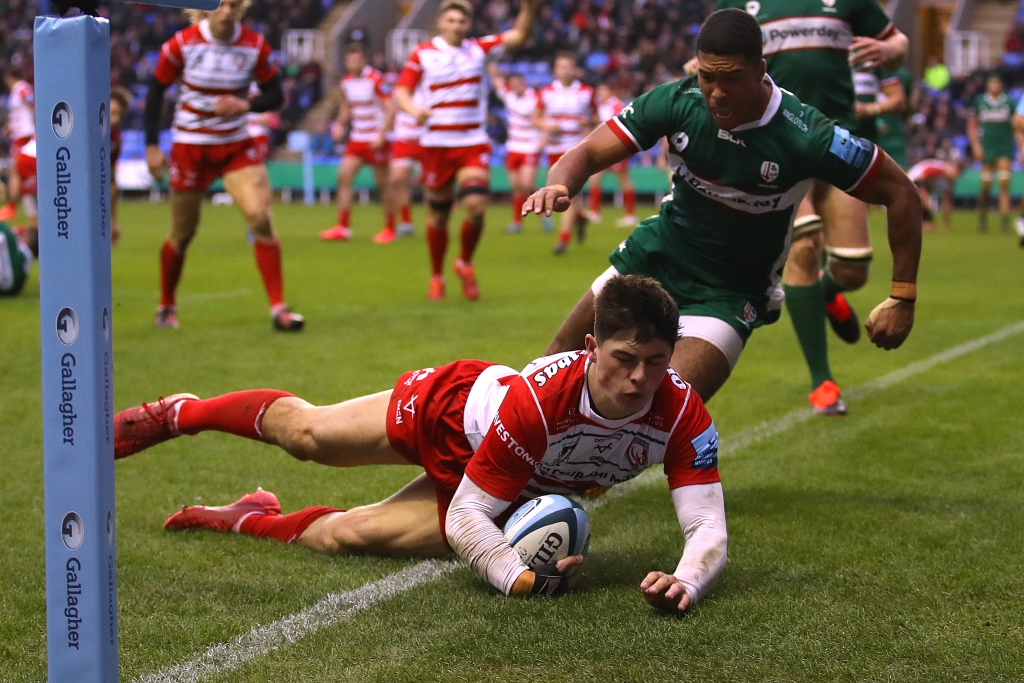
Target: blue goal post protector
x,y
72,82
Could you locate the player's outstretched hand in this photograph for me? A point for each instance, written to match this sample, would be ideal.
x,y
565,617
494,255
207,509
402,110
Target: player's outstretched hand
x,y
889,324
155,162
421,116
229,105
665,592
547,199
690,68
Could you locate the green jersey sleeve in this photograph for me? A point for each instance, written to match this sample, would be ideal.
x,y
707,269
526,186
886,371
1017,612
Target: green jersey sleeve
x,y
652,116
869,19
843,159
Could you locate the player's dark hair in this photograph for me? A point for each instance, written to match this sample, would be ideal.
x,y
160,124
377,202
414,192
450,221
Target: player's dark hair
x,y
637,304
566,54
355,47
464,6
729,32
121,95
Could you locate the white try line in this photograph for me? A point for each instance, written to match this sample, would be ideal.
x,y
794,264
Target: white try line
x,y
332,609
338,607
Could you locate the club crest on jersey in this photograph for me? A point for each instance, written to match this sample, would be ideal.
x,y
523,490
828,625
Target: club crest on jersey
x,y
769,171
753,8
749,315
637,452
828,3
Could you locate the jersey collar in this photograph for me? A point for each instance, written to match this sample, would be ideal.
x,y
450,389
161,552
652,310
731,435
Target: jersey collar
x,y
442,44
770,111
587,408
204,30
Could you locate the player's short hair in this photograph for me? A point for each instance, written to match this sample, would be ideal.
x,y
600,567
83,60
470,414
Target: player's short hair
x,y
464,6
355,47
731,32
194,16
566,54
121,95
637,304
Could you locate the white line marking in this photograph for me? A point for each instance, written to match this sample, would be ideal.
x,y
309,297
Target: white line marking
x,y
337,607
332,609
186,298
778,425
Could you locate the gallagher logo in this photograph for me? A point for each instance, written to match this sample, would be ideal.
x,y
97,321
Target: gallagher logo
x,y
769,171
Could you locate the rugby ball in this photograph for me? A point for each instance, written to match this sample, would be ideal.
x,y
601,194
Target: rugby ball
x,y
548,529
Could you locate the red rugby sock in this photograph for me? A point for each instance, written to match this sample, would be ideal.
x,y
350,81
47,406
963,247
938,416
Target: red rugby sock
x,y
517,208
343,215
285,528
470,234
268,262
171,263
437,240
629,199
595,196
239,413
406,214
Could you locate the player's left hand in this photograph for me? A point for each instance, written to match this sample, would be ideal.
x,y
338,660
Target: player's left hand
x,y
868,52
889,324
547,199
229,105
665,592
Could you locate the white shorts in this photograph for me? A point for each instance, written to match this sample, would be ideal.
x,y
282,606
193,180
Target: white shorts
x,y
718,333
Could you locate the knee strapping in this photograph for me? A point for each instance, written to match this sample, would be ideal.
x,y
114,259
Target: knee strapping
x,y
986,176
473,186
850,255
440,205
807,225
1003,174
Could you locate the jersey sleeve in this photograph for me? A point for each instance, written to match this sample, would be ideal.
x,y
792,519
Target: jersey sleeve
x,y
504,463
648,118
871,20
412,72
841,158
692,454
380,87
170,63
264,69
490,43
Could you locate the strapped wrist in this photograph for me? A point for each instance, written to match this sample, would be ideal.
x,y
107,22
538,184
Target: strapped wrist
x,y
903,291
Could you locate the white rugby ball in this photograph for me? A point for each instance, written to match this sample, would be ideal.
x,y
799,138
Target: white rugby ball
x,y
548,529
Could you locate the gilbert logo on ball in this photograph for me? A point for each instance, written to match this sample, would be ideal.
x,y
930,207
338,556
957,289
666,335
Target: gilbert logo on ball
x,y
548,529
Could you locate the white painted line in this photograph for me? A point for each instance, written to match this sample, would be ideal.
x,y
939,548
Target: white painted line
x,y
185,298
776,426
338,607
334,608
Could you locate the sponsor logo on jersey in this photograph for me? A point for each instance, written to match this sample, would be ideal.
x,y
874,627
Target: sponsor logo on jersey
x,y
753,8
806,33
726,135
637,452
680,141
550,370
852,150
418,376
735,198
769,171
794,119
706,446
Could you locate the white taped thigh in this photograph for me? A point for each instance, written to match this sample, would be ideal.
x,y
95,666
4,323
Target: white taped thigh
x,y
603,279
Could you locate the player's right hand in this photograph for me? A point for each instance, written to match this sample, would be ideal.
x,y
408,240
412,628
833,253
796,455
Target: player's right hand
x,y
421,116
549,579
889,324
547,199
690,68
665,592
156,162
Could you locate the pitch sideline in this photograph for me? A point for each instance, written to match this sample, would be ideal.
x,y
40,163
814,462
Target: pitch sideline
x,y
337,607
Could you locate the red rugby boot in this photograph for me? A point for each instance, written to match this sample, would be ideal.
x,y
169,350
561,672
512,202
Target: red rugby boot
x,y
225,517
145,426
843,319
468,276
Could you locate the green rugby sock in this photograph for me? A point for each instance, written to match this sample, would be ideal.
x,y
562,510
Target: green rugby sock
x,y
807,310
830,286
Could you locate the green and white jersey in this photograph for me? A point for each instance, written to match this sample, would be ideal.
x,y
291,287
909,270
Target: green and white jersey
x,y
892,136
15,261
727,223
995,116
866,89
807,43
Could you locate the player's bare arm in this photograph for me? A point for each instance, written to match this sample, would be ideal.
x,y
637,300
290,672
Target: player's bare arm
x,y
403,98
895,101
520,31
598,151
888,52
890,323
974,137
389,122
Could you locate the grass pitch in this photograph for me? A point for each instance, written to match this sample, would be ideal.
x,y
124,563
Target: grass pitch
x,y
884,546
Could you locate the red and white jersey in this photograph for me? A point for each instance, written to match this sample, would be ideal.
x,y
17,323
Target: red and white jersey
x,y
568,107
365,94
523,136
21,111
209,69
610,108
931,169
406,128
452,79
542,435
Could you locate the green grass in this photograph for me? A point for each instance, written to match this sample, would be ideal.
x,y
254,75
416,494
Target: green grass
x,y
880,547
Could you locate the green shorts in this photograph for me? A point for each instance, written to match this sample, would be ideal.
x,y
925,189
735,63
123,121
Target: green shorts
x,y
992,153
641,255
14,263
